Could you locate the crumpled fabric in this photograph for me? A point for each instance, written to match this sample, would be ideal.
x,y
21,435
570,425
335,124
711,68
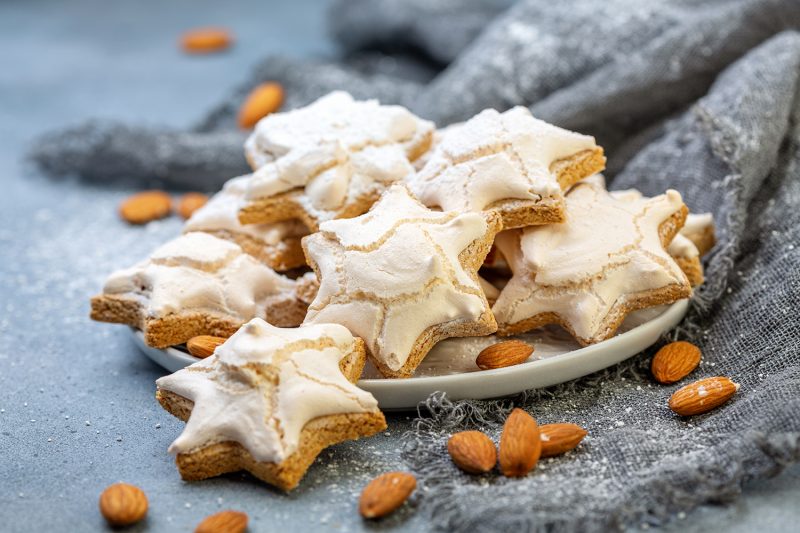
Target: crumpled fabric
x,y
699,96
734,152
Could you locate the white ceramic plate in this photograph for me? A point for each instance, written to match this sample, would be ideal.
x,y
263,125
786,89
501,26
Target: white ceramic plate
x,y
450,366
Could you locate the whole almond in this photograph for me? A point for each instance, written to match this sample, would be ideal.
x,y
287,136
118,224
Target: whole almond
x,y
122,504
263,100
560,438
223,522
203,345
145,206
504,354
472,451
191,202
520,444
386,493
702,396
205,40
675,361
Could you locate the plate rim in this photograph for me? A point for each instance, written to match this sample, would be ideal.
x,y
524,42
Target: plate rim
x,y
626,342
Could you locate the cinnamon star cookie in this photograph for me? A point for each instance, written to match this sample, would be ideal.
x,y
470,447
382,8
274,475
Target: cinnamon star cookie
x,y
402,277
277,245
331,159
607,259
507,162
268,401
197,284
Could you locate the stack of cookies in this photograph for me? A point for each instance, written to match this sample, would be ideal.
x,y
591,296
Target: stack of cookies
x,y
401,226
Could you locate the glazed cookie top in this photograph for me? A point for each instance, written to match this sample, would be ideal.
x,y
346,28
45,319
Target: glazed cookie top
x,y
198,272
392,273
493,157
264,384
221,213
694,233
337,149
609,251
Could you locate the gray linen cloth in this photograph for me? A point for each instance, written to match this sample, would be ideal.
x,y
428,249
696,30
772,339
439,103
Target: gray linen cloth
x,y
697,96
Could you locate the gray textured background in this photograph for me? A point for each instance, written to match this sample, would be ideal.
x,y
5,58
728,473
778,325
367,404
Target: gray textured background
x,y
76,398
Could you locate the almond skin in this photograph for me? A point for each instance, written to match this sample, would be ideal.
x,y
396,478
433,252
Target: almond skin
x,y
520,444
122,504
386,493
205,40
503,354
702,396
560,438
203,345
675,361
263,100
223,522
191,202
145,206
472,451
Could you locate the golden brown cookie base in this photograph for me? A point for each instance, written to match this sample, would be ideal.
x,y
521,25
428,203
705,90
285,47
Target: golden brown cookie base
x,y
704,241
174,329
472,258
670,227
289,206
573,169
521,213
229,456
419,148
693,269
284,256
612,321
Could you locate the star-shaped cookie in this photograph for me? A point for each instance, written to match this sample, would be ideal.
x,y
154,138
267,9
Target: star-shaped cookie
x,y
402,277
607,259
507,162
331,159
276,245
268,401
196,284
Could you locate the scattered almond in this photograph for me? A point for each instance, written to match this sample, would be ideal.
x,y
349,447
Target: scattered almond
x,y
504,354
223,522
263,100
386,493
560,438
702,396
472,451
146,206
191,202
203,345
205,40
122,504
675,361
520,444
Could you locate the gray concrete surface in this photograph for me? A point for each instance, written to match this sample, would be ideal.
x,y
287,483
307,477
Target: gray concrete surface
x,y
76,398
